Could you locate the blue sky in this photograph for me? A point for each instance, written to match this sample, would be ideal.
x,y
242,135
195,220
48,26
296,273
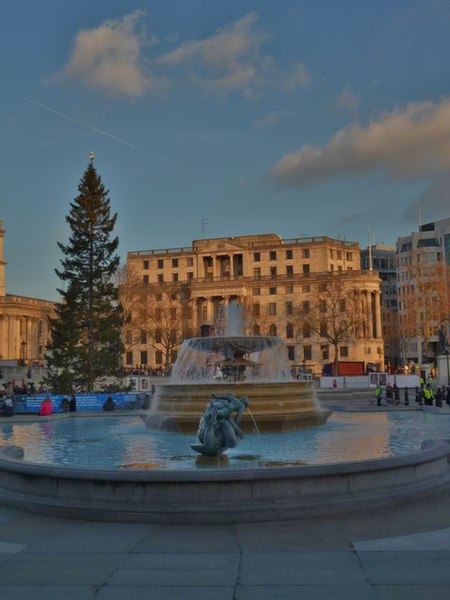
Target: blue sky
x,y
299,118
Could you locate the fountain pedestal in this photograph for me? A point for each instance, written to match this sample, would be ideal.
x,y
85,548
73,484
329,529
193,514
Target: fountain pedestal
x,y
275,406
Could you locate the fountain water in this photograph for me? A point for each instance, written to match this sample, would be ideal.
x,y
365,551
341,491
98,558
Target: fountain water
x,y
252,366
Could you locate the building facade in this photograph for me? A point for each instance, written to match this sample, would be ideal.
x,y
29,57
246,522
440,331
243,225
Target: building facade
x,y
273,278
383,259
24,327
423,279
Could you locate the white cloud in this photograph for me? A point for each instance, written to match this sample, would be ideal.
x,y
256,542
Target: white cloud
x,y
270,119
347,100
405,144
109,58
231,59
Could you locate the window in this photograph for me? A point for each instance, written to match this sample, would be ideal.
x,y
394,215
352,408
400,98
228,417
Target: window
x,y
273,271
190,262
368,350
128,337
339,254
145,264
145,279
344,351
160,277
349,256
159,357
273,329
144,358
129,358
157,337
323,287
143,337
305,306
325,351
342,306
272,255
289,308
289,270
173,356
257,273
174,276
160,263
306,288
190,275
272,308
322,306
323,329
256,310
175,262
289,331
289,289
256,330
306,330
257,291
307,352
289,255
257,256
305,269
291,352
272,291
305,253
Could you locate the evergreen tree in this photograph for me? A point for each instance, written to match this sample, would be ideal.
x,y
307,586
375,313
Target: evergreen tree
x,y
86,333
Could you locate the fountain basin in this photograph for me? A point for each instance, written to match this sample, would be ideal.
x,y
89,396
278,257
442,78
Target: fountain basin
x,y
275,405
221,495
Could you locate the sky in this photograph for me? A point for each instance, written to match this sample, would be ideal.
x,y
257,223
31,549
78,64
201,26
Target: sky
x,y
221,118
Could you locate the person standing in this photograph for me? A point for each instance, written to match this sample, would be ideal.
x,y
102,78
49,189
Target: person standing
x,y
378,394
72,403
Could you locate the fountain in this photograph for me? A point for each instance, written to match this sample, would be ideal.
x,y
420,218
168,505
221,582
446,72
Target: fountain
x,y
255,367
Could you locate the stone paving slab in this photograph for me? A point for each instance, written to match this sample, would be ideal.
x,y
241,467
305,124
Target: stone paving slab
x,y
95,537
182,570
48,592
190,539
301,568
59,569
413,592
430,540
133,592
413,568
307,592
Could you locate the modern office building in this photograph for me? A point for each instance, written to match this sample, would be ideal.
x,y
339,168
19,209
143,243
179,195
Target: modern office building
x,y
423,279
382,259
275,279
24,328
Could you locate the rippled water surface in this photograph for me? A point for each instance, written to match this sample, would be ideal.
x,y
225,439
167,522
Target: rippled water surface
x,y
125,442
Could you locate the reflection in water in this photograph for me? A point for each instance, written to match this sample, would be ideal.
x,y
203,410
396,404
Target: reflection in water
x,y
125,442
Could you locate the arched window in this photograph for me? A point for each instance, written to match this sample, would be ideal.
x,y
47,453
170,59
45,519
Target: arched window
x,y
306,330
289,330
273,329
256,330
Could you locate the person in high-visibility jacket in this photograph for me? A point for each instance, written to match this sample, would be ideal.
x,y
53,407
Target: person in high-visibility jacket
x,y
378,394
428,395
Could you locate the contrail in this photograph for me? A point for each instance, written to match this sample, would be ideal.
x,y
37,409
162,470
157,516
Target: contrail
x,y
97,130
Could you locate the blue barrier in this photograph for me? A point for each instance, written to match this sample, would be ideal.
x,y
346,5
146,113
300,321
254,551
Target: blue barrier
x,y
93,402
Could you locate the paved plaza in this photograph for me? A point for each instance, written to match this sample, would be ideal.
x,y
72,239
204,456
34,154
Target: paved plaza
x,y
390,553
401,552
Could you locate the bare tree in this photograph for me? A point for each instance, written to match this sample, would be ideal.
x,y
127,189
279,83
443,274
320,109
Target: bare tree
x,y
336,313
157,316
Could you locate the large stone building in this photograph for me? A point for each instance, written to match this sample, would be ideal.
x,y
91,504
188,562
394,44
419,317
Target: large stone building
x,y
274,278
24,328
382,258
423,278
